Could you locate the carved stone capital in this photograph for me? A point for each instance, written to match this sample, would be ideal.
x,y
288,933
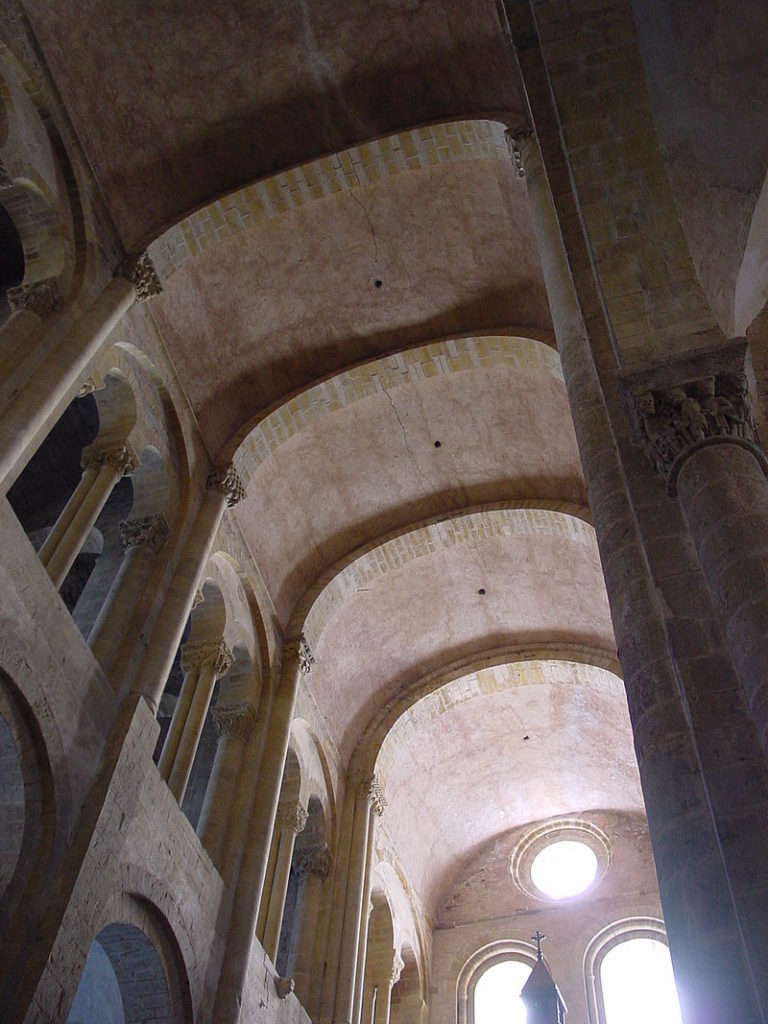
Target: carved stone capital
x,y
6,179
235,720
208,652
42,298
226,480
705,399
284,987
291,817
312,860
151,531
121,458
515,141
140,271
369,788
305,655
397,969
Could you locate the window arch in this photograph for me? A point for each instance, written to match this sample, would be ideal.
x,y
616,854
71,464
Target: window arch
x,y
480,964
629,976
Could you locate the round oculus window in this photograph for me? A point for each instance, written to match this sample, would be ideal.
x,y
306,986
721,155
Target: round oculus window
x,y
564,869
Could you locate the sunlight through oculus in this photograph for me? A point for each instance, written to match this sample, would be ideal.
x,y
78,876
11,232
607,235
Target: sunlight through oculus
x,y
564,869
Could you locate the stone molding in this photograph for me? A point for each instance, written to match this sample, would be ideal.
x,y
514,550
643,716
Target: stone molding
x,y
215,653
313,860
369,788
121,458
140,272
291,817
704,400
226,480
235,720
42,298
149,531
397,969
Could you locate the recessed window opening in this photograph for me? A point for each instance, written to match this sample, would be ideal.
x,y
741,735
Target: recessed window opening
x,y
564,869
497,994
638,984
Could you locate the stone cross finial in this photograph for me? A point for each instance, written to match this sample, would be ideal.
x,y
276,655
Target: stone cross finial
x,y
151,531
141,273
208,652
226,480
538,938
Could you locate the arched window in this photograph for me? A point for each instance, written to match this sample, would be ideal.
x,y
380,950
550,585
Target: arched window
x,y
497,993
629,975
489,984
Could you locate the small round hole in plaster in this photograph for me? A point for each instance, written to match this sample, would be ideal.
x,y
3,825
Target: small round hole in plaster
x,y
378,283
438,444
481,591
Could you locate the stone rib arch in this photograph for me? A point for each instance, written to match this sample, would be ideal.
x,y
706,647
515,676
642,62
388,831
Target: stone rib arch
x,y
355,167
393,550
261,437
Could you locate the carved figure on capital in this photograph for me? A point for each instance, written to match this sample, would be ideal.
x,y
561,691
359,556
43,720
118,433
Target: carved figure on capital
x,y
41,298
226,480
151,531
291,817
207,652
313,860
234,720
141,273
669,423
369,788
121,458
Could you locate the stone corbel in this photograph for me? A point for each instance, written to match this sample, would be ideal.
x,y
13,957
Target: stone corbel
x,y
687,404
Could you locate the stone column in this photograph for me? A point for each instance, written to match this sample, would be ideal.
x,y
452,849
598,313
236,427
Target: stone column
x,y
31,305
233,725
694,419
102,467
384,996
142,539
289,822
297,659
700,796
203,664
224,490
36,405
312,865
368,800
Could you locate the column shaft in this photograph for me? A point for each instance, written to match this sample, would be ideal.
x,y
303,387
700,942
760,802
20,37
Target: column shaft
x,y
61,559
365,916
36,407
60,527
233,725
178,721
723,495
353,911
250,887
193,728
286,841
707,940
301,960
